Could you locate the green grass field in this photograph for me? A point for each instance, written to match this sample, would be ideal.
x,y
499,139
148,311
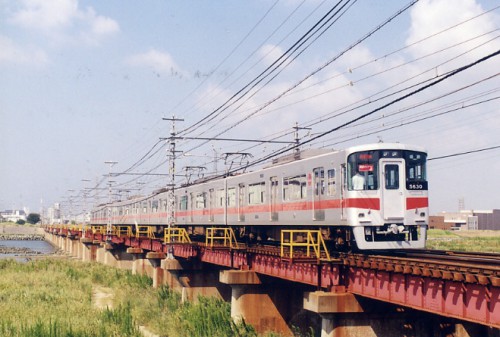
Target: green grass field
x,y
55,298
467,241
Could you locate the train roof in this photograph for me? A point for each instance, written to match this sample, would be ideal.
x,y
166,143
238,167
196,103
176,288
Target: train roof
x,y
385,146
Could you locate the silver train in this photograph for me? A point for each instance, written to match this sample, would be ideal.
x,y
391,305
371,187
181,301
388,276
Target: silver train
x,y
365,197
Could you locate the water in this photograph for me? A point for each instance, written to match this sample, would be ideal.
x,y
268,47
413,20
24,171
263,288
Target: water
x,y
37,248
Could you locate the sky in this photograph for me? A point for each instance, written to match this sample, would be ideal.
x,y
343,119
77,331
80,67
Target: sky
x,y
87,82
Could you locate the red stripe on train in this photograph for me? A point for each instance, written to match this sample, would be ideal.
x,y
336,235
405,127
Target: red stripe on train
x,y
412,203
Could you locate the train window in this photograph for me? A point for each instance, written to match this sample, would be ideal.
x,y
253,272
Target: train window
x,y
154,205
319,181
231,196
219,197
144,207
331,182
416,175
295,188
183,204
362,171
256,193
392,177
201,200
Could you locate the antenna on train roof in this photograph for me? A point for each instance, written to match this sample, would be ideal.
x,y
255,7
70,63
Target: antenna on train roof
x,y
244,155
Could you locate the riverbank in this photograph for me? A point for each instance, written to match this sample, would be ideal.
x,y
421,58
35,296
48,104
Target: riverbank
x,y
19,241
9,228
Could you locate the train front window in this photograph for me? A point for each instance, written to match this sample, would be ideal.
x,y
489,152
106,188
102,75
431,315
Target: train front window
x,y
362,171
416,173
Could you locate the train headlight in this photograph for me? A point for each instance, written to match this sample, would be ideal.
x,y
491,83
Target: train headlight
x,y
361,215
368,231
422,214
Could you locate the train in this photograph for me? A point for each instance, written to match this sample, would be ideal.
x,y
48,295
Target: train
x,y
365,197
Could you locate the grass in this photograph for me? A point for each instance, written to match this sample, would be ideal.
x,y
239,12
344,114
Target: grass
x,y
53,298
466,241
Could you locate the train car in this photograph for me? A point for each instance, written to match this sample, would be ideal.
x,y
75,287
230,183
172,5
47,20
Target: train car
x,y
365,197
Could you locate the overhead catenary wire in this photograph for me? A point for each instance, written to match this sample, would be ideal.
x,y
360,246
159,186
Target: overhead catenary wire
x,y
268,71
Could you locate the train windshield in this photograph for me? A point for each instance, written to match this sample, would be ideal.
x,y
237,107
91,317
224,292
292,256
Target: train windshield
x,y
363,169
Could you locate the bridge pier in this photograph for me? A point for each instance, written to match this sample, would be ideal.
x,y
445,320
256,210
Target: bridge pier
x,y
89,250
193,279
155,261
258,305
346,315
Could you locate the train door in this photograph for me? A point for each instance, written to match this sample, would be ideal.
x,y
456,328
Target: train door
x,y
393,197
211,204
241,202
191,206
318,193
343,179
273,199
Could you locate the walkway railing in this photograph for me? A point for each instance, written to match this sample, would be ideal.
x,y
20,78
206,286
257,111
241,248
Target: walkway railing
x,y
295,240
221,236
176,235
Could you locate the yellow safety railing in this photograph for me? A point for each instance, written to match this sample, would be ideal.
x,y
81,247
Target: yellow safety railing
x,y
221,235
75,228
311,239
122,231
177,235
144,231
99,230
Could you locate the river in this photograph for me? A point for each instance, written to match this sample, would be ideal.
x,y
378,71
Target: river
x,y
19,249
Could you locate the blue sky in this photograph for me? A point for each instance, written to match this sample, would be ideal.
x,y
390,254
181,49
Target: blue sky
x,y
84,82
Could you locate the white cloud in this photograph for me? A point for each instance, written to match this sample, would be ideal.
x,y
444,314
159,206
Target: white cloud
x,y
10,52
270,53
100,25
160,62
431,16
64,20
42,14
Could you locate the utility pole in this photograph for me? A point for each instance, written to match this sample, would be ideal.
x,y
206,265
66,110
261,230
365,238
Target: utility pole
x,y
297,139
171,170
109,225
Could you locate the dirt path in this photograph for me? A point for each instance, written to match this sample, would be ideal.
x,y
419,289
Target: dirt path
x,y
102,298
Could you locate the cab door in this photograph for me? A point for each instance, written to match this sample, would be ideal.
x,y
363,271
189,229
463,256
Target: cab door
x,y
393,186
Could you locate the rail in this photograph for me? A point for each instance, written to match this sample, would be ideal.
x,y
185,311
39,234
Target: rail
x,y
221,235
177,235
312,240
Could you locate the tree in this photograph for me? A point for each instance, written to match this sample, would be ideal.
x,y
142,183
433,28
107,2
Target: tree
x,y
20,222
33,218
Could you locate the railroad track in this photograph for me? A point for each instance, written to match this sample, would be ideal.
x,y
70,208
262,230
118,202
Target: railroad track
x,y
482,268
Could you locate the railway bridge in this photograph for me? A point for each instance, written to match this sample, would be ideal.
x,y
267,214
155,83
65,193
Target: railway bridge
x,y
424,293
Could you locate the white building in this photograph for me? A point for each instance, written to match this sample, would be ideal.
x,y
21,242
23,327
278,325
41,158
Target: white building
x,y
13,215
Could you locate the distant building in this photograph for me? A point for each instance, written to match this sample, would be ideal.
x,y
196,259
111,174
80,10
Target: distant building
x,y
54,214
437,222
466,220
13,215
488,219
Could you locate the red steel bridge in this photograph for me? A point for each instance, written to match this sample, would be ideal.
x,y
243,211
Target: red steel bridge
x,y
464,286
